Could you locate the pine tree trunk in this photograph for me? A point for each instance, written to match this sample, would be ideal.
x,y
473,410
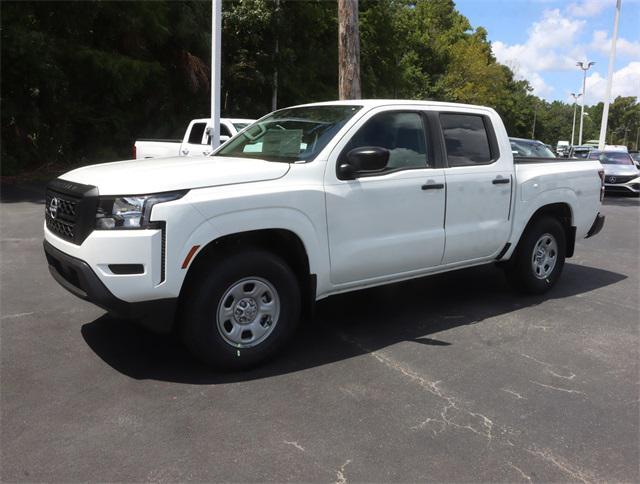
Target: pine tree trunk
x,y
348,50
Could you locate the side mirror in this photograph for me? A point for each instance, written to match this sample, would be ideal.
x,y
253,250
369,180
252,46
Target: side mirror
x,y
362,160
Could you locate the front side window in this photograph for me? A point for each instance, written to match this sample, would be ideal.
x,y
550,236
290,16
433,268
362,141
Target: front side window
x,y
402,133
466,139
197,132
289,135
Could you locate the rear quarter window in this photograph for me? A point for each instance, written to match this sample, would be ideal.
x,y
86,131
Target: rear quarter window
x,y
466,139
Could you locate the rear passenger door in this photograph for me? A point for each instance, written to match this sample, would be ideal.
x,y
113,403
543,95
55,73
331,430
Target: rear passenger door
x,y
479,187
194,143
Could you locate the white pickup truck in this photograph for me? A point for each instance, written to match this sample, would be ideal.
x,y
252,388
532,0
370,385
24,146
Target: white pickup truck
x,y
233,249
196,141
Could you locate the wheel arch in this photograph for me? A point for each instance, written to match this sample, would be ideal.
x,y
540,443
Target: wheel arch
x,y
561,211
284,243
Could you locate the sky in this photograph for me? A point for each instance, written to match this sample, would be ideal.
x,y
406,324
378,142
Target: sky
x,y
541,40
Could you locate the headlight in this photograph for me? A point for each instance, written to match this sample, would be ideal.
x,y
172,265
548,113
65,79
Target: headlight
x,y
130,212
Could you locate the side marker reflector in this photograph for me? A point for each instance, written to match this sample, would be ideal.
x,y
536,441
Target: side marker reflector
x,y
190,255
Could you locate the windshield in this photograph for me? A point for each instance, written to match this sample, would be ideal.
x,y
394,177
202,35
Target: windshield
x,y
581,153
531,148
611,157
289,135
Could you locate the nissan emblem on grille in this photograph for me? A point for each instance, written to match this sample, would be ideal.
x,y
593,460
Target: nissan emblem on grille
x,y
53,207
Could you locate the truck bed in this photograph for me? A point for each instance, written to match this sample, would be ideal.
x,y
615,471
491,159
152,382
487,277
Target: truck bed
x,y
537,159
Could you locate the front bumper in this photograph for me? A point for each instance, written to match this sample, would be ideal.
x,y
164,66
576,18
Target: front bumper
x,y
632,186
598,223
77,277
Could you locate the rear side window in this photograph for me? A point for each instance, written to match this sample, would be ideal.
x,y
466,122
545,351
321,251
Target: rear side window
x,y
466,139
402,133
197,132
224,131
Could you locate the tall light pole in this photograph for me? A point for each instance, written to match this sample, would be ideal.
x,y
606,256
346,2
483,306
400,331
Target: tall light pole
x,y
575,108
612,60
216,55
585,66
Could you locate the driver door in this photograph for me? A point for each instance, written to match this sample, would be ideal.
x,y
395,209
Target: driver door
x,y
389,223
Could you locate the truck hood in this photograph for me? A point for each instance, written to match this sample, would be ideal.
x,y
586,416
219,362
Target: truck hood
x,y
153,175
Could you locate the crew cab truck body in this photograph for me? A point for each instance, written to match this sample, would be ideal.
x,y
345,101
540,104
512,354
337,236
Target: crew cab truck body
x,y
308,202
196,141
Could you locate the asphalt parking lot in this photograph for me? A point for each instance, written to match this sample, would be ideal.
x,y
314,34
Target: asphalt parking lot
x,y
452,378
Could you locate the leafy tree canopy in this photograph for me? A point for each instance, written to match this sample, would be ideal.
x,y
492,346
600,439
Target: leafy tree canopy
x,y
82,80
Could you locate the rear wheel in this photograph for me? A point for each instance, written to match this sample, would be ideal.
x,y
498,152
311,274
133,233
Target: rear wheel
x,y
539,258
241,309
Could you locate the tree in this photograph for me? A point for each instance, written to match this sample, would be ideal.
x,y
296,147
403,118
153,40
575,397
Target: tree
x,y
82,80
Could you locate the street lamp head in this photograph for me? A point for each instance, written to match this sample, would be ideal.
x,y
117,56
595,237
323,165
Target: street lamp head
x,y
585,66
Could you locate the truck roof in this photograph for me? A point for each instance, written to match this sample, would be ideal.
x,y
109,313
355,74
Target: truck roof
x,y
231,120
386,102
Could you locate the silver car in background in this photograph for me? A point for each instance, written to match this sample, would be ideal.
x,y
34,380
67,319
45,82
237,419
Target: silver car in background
x,y
530,148
620,172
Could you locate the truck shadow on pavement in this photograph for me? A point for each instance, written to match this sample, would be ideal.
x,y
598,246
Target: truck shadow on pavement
x,y
346,326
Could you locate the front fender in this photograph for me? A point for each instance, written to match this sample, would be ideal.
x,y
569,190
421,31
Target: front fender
x,y
284,218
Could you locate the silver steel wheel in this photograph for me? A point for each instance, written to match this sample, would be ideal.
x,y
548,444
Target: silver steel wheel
x,y
545,256
247,312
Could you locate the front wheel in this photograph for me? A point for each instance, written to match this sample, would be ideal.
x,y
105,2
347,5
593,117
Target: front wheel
x,y
539,257
241,309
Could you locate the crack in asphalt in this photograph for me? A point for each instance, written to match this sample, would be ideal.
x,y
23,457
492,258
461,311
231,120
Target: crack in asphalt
x,y
453,410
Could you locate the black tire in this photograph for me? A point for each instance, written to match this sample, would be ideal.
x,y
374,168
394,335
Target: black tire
x,y
199,315
521,271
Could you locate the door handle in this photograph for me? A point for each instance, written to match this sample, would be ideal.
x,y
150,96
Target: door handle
x,y
433,186
185,152
206,153
500,181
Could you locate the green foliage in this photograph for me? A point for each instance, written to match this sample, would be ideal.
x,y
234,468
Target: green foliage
x,y
82,80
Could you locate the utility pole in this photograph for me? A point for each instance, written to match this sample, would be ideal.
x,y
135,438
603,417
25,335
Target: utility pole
x,y
274,95
535,115
585,66
575,106
612,60
216,54
348,50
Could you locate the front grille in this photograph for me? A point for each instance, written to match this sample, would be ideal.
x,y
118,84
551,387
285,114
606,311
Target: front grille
x,y
619,179
70,210
63,229
61,214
